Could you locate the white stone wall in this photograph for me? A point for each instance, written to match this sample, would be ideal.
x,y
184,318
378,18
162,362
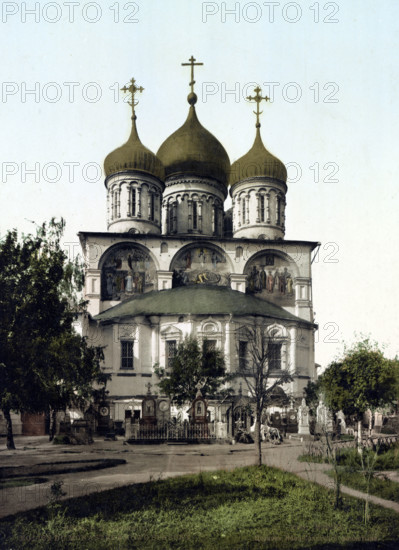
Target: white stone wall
x,y
150,337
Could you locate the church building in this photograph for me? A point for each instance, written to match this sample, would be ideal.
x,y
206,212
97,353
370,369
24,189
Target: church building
x,y
174,263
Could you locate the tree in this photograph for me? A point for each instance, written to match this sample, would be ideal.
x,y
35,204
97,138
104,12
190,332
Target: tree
x,y
43,361
312,395
259,353
362,379
193,367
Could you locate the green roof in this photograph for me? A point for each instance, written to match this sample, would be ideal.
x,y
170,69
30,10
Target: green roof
x,y
199,300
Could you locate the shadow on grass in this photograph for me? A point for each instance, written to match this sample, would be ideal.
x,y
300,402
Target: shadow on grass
x,y
64,467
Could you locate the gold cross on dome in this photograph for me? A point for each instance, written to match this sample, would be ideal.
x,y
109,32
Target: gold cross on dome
x,y
192,64
132,89
258,98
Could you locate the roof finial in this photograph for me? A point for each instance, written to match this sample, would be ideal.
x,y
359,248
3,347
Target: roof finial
x,y
258,98
132,89
192,97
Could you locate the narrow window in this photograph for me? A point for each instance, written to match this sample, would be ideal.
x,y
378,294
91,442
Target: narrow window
x,y
152,207
170,352
262,208
195,215
242,354
133,191
126,354
115,204
274,356
243,211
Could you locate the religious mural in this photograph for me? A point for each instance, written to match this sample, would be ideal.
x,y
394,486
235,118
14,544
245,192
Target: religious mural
x,y
199,265
127,271
272,278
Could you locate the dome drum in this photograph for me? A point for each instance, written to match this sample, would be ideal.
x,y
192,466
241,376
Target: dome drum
x,y
134,203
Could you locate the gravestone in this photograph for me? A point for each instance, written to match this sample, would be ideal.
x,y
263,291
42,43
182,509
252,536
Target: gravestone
x,y
324,418
303,418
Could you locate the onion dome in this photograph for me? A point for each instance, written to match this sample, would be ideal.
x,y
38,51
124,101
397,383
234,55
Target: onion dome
x,y
258,162
133,155
192,150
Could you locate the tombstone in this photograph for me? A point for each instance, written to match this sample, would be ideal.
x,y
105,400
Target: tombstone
x,y
148,408
323,418
163,410
303,418
104,418
199,410
128,423
292,421
341,422
378,420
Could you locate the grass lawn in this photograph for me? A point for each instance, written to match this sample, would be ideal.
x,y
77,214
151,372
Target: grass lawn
x,y
380,487
352,476
246,508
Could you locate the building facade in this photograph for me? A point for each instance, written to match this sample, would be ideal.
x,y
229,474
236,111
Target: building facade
x,y
174,263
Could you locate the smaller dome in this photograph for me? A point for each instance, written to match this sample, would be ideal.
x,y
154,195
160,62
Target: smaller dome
x,y
192,150
133,155
258,162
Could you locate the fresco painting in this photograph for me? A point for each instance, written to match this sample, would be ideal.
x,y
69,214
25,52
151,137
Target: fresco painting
x,y
200,265
126,272
272,278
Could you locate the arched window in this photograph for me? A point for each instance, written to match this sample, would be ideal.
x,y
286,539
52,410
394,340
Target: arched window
x,y
195,215
133,201
262,208
151,207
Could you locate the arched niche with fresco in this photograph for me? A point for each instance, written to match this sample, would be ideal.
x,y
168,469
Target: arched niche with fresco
x,y
126,270
201,264
271,276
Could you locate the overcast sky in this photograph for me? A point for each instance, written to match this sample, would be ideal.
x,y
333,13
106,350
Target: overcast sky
x,y
330,68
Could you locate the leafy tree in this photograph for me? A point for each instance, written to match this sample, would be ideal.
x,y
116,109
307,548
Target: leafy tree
x,y
256,366
44,363
312,395
193,367
363,379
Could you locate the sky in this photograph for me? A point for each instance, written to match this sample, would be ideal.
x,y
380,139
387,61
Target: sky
x,y
330,69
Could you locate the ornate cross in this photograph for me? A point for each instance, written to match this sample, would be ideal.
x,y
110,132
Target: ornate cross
x,y
192,64
258,98
132,89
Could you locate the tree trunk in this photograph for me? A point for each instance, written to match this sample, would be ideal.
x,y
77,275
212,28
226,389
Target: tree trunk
x,y
258,437
370,422
359,436
10,437
53,424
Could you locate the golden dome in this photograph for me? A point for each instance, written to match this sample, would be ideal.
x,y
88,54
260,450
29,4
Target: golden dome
x,y
133,155
195,151
258,162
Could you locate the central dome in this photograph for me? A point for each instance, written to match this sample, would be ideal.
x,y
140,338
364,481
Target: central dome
x,y
192,150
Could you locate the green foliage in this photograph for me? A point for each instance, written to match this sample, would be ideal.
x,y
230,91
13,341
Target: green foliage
x,y
245,508
192,367
362,379
387,457
312,395
43,361
379,486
